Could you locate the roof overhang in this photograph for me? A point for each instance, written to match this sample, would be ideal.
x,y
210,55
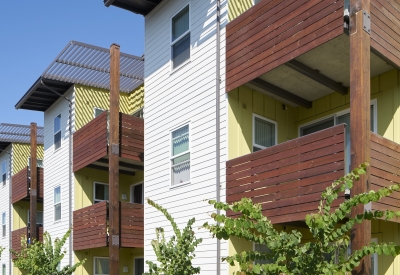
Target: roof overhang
x,y
142,7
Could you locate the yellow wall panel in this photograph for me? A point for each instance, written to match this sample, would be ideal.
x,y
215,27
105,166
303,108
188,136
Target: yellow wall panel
x,y
21,153
258,103
233,123
269,107
87,98
322,104
237,7
20,214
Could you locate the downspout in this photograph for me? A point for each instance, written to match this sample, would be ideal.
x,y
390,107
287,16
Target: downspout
x,y
217,137
9,211
69,166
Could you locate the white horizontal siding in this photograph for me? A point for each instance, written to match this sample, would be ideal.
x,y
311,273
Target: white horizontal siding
x,y
172,99
5,208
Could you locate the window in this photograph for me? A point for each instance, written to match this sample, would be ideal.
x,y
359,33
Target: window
x,y
374,260
256,1
4,172
39,162
3,272
39,217
3,223
138,113
57,132
263,249
101,266
137,193
264,133
57,203
98,111
180,159
139,266
100,192
180,38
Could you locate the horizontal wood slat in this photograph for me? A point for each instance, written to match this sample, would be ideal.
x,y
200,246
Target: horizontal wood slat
x,y
20,185
385,30
131,137
90,226
385,170
132,225
287,179
16,237
273,32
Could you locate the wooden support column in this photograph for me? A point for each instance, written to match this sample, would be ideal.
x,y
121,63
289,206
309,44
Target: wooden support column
x,y
360,117
113,154
33,182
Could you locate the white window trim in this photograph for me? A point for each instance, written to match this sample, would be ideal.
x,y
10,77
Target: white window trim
x,y
340,113
254,2
173,157
54,133
94,264
4,233
254,129
94,190
375,271
130,190
94,111
54,204
28,219
172,69
5,172
134,259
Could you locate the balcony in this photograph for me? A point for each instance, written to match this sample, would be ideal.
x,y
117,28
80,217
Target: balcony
x,y
298,51
287,179
24,232
21,185
90,225
91,145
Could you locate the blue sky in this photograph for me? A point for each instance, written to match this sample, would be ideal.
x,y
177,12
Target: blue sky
x,y
32,33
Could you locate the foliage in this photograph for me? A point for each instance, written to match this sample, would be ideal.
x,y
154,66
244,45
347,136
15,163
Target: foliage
x,y
176,255
42,258
1,250
288,253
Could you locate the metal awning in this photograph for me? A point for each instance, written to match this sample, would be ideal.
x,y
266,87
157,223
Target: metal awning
x,y
142,7
10,133
80,63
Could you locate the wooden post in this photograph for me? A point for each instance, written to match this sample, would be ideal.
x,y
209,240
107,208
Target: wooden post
x,y
113,154
33,182
360,117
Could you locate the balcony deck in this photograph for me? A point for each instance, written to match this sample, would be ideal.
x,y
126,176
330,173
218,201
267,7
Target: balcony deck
x,y
18,234
91,147
20,185
90,225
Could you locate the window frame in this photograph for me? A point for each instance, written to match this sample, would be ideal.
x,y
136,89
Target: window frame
x,y
56,132
376,262
94,264
134,263
3,269
4,224
131,192
28,218
97,108
254,2
172,43
37,161
171,158
4,179
254,131
54,204
94,191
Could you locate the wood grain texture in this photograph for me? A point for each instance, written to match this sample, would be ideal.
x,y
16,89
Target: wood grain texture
x,y
287,179
132,225
274,32
33,178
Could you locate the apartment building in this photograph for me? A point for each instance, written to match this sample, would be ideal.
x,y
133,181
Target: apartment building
x,y
15,152
271,100
73,94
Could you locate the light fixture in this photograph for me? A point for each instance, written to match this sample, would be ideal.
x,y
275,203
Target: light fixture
x,y
124,196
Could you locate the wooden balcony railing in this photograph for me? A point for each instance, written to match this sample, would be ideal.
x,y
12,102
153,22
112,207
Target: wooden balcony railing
x,y
91,141
90,225
20,185
287,179
24,232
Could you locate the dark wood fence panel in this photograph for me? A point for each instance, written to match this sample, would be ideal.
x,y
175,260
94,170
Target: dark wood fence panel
x,y
385,170
40,181
20,188
90,142
273,32
287,179
131,137
16,237
385,29
90,226
132,226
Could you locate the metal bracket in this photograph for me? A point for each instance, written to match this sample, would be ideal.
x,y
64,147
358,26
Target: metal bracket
x,y
115,149
366,22
368,207
115,240
33,192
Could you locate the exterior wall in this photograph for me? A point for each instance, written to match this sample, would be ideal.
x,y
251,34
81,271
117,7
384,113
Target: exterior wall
x,y
173,99
22,152
84,185
5,207
57,171
237,7
87,98
20,214
127,258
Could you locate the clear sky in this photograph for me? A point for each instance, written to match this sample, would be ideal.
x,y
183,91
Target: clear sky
x,y
33,33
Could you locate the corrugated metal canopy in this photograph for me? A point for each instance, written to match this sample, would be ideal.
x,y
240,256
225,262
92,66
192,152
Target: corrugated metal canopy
x,y
142,7
84,64
10,133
